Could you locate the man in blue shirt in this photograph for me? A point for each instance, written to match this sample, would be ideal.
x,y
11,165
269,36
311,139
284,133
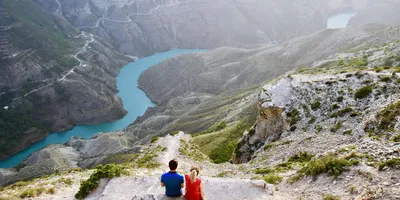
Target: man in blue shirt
x,y
172,181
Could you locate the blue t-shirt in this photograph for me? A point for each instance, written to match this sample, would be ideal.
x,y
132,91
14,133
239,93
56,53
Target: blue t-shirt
x,y
172,182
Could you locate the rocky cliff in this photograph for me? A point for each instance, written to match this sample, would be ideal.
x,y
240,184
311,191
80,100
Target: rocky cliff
x,y
342,115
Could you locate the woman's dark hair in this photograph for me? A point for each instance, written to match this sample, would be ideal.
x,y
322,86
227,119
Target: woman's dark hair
x,y
173,164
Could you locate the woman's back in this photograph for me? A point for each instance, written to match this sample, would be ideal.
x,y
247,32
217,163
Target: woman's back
x,y
192,188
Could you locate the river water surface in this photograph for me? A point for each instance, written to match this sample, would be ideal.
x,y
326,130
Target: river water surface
x,y
340,20
134,100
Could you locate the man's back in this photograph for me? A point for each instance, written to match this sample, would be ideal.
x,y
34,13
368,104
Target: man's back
x,y
172,182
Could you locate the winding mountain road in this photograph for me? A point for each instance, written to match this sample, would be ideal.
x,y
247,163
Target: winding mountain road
x,y
84,48
68,73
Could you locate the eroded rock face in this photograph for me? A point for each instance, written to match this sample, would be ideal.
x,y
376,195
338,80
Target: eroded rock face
x,y
271,123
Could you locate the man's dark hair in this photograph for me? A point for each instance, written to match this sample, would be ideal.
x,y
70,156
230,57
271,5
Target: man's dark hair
x,y
173,164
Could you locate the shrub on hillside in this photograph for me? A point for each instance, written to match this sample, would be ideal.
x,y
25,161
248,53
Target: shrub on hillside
x,y
330,164
107,171
315,105
32,192
272,178
344,111
387,117
330,197
386,79
393,163
363,92
154,139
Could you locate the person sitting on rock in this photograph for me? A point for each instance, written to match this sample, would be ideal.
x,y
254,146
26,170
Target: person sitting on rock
x,y
194,185
172,181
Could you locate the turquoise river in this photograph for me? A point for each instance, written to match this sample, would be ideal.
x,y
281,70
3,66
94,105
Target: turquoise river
x,y
134,100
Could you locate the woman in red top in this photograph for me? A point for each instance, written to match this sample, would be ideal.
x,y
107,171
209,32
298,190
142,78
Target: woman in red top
x,y
194,185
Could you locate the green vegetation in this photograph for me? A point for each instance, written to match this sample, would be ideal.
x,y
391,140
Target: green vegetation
x,y
265,170
119,159
344,111
269,146
294,116
66,181
396,138
51,191
337,126
359,75
318,128
358,62
335,106
147,160
275,144
363,92
174,133
154,139
252,131
107,171
301,157
387,117
340,98
223,153
348,132
191,151
32,192
312,120
222,174
14,125
330,197
316,105
211,112
272,178
386,78
353,189
214,128
378,69
220,145
393,163
298,159
389,62
355,114
329,164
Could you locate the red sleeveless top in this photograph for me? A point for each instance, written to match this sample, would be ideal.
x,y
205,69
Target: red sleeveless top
x,y
192,189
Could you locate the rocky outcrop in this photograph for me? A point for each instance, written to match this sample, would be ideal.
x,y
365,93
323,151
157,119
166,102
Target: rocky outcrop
x,y
52,159
271,123
346,93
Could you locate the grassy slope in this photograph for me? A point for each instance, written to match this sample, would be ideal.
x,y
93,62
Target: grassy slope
x,y
219,145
